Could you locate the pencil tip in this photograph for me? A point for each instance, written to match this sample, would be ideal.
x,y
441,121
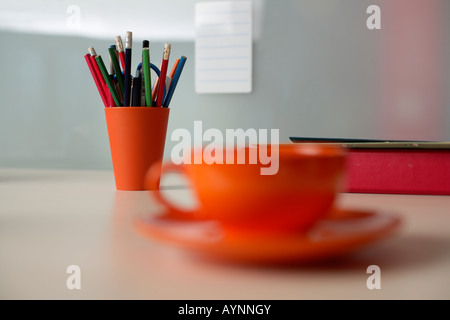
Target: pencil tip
x,y
119,44
128,39
92,51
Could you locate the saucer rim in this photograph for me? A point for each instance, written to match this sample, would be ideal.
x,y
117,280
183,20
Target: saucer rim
x,y
301,248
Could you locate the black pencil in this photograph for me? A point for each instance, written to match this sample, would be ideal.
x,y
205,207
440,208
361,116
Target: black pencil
x,y
136,95
127,71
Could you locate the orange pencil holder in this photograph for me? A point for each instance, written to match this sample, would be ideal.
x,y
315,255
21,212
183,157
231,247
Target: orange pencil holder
x,y
137,136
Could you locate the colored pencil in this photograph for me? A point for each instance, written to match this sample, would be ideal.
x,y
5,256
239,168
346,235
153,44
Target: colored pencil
x,y
108,81
119,46
116,67
94,64
174,68
162,77
172,73
99,85
127,70
100,77
147,71
119,88
136,92
141,74
174,83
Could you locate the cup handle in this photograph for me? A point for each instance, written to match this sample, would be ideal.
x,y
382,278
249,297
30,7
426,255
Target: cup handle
x,y
153,180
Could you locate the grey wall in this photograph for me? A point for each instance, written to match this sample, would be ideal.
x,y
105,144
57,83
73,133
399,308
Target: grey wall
x,y
316,73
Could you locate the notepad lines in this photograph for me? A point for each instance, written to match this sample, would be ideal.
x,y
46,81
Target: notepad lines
x,y
223,47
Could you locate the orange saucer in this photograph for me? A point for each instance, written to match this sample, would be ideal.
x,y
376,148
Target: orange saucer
x,y
341,232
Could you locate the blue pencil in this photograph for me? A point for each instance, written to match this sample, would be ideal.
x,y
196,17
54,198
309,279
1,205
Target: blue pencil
x,y
174,82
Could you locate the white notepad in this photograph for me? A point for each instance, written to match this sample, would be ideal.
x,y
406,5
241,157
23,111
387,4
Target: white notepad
x,y
223,47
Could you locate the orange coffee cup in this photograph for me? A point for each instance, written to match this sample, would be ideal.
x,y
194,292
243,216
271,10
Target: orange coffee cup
x,y
302,190
137,137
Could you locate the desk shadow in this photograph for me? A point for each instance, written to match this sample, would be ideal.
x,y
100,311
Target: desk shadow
x,y
399,251
389,254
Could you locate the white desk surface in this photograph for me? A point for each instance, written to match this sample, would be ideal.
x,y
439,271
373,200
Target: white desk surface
x,y
50,219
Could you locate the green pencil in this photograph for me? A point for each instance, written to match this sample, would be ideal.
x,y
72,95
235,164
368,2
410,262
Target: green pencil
x,y
147,77
115,63
107,79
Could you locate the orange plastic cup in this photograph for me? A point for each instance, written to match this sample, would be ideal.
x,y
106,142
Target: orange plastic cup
x,y
137,136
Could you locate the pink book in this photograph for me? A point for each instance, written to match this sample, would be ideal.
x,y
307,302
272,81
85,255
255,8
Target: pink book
x,y
396,167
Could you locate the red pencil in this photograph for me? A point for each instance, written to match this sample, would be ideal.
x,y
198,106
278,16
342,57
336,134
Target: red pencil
x,y
172,73
121,51
110,100
162,77
96,79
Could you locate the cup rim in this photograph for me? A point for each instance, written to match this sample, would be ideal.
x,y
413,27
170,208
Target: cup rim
x,y
131,109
